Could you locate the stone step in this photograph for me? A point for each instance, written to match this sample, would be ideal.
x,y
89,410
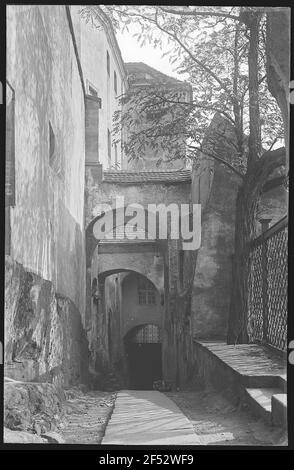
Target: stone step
x,y
279,409
266,381
260,401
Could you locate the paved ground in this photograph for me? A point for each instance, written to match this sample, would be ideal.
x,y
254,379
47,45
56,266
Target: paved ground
x,y
192,417
148,417
86,416
217,422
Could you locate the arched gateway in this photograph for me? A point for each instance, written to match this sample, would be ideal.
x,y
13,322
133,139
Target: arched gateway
x,y
143,352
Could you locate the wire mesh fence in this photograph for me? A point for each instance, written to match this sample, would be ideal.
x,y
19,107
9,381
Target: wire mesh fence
x,y
267,287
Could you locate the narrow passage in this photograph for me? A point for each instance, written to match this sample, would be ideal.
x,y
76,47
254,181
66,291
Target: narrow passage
x,y
148,417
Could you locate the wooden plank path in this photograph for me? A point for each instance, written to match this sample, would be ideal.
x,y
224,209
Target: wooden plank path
x,y
148,417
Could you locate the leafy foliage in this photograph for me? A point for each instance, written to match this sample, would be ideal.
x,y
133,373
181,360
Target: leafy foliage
x,y
210,46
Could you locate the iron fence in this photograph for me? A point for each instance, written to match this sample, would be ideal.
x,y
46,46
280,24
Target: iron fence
x,y
267,287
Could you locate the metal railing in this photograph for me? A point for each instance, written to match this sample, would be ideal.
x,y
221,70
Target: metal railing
x,y
267,287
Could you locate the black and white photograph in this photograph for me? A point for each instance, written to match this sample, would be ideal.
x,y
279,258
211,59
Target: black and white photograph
x,y
146,227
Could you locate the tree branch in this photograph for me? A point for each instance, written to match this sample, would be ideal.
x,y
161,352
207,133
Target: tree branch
x,y
198,62
199,13
219,159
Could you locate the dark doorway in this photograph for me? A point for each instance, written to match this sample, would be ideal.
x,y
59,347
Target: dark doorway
x,y
143,349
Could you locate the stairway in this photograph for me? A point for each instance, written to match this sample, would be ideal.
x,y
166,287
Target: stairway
x,y
254,374
269,402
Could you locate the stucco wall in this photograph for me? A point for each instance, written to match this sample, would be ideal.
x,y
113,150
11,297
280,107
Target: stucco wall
x,y
48,218
134,314
146,263
94,44
143,193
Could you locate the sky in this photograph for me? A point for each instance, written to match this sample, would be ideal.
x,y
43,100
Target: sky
x,y
132,52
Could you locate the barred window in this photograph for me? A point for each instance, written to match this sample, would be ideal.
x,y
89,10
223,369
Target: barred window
x,y
146,292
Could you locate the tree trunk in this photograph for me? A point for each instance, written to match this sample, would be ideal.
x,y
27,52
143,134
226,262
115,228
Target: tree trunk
x,y
254,142
247,200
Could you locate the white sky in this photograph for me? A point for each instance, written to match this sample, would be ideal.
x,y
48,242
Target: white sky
x,y
132,52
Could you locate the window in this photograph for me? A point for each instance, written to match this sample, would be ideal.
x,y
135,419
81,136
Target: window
x,y
146,334
156,113
108,63
55,160
115,82
92,91
51,145
146,292
109,147
116,156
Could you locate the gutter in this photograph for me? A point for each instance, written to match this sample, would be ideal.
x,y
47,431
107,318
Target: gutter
x,y
71,29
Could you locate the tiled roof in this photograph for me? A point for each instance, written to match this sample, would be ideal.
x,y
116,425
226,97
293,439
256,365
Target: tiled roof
x,y
137,68
123,234
148,176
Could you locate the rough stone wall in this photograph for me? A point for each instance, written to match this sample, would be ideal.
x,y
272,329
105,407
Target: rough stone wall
x,y
47,221
215,187
44,336
212,281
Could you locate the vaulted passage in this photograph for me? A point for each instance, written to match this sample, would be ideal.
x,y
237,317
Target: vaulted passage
x,y
143,353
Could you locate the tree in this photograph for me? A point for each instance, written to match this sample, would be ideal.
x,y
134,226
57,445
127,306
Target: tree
x,y
223,52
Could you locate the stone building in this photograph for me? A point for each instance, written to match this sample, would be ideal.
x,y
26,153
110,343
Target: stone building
x,y
45,247
62,76
105,78
75,302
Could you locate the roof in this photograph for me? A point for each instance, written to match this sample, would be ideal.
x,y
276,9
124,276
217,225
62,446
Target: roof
x,y
123,234
150,176
138,68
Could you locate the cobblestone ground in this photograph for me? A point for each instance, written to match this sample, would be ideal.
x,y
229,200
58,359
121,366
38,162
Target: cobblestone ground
x,y
87,415
217,422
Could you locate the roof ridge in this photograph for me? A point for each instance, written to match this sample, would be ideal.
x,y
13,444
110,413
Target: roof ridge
x,y
153,69
148,171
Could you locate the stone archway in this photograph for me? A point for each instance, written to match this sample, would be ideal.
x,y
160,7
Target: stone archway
x,y
144,356
128,299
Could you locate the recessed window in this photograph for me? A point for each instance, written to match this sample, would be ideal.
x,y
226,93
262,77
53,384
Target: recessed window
x,y
55,160
109,146
92,91
146,292
108,63
115,82
51,145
